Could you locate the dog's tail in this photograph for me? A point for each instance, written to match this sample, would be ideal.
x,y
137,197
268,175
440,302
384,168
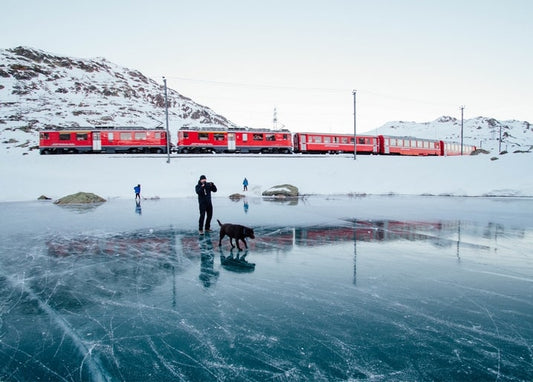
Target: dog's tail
x,y
219,223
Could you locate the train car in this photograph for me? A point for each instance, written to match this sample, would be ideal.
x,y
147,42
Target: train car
x,y
320,143
103,140
389,145
211,140
454,148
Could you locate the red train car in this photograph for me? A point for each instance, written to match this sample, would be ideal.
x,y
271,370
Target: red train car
x,y
454,148
389,145
320,143
202,140
103,140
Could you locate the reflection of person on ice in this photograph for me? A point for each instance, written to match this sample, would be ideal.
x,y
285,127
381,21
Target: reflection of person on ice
x,y
245,184
137,190
204,189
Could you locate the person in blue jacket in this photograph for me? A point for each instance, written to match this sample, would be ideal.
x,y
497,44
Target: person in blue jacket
x,y
245,184
203,190
137,190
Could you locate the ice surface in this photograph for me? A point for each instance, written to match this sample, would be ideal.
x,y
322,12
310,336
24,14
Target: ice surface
x,y
343,288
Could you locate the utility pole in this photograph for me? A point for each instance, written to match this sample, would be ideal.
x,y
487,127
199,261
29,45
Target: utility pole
x,y
354,127
462,108
166,118
500,141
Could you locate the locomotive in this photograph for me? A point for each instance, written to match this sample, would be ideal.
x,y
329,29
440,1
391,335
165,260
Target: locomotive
x,y
103,140
236,140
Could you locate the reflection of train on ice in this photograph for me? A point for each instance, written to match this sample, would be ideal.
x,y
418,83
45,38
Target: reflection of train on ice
x,y
235,140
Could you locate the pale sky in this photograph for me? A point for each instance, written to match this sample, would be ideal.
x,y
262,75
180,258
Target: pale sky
x,y
408,60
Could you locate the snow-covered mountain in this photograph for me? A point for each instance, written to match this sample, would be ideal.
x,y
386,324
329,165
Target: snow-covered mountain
x,y
40,90
481,131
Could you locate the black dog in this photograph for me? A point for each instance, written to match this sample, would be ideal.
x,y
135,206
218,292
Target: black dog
x,y
235,231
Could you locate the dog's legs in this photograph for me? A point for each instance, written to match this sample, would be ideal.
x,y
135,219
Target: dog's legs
x,y
231,242
222,234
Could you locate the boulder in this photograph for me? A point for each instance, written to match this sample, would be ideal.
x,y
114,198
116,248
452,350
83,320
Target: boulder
x,y
44,197
80,198
237,197
282,190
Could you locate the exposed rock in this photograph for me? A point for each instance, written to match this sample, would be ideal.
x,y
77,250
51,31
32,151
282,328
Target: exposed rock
x,y
282,190
80,198
43,197
480,151
236,197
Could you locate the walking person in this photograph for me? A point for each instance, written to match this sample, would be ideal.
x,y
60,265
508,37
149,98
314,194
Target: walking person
x,y
137,190
203,190
245,184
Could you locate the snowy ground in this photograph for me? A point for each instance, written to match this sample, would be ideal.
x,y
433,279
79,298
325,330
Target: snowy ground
x,y
26,177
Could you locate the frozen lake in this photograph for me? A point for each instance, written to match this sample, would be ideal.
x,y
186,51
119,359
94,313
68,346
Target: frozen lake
x,y
344,288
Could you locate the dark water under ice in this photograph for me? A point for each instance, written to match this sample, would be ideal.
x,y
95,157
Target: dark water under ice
x,y
375,288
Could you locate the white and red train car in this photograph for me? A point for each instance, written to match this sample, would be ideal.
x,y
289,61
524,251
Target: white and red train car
x,y
103,140
202,140
320,143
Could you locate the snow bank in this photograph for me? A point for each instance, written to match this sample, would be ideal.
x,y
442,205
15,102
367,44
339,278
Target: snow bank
x,y
25,177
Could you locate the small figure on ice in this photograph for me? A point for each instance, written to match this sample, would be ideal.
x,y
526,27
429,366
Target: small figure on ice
x,y
245,184
137,190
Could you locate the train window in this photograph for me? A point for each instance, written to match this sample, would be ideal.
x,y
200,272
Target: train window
x,y
426,145
125,136
361,141
351,140
245,137
344,140
45,136
258,137
393,142
270,137
81,136
336,139
285,137
218,136
64,136
140,136
110,136
185,135
327,139
203,136
317,139
157,135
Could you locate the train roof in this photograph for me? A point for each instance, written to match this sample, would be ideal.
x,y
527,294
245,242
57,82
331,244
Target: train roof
x,y
85,128
221,128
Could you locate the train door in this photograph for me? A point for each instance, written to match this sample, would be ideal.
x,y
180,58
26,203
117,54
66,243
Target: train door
x,y
231,142
303,142
374,145
97,141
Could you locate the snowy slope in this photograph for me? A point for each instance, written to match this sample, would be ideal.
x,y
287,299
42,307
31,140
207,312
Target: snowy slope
x,y
481,131
110,176
39,90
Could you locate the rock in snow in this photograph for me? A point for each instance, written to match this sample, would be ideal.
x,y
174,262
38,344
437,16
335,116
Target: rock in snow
x,y
80,198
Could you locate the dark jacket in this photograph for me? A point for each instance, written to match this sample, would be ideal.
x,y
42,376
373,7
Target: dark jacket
x,y
204,192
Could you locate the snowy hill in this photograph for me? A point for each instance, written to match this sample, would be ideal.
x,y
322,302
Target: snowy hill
x,y
481,132
39,90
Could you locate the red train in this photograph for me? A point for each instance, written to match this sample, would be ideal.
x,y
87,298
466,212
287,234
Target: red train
x,y
234,140
217,140
320,143
103,140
